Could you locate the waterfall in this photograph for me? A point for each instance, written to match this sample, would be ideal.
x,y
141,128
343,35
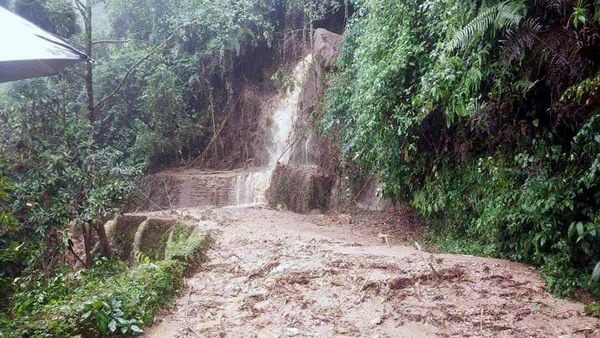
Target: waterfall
x,y
250,187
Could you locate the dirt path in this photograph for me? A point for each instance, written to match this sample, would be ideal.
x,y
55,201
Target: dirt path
x,y
278,274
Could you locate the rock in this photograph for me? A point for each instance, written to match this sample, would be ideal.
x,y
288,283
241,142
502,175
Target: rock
x,y
300,188
120,232
345,219
376,321
262,306
281,269
371,198
150,236
326,46
292,331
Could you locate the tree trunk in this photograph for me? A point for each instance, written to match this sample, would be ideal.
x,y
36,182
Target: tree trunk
x,y
346,12
103,239
89,75
91,109
87,243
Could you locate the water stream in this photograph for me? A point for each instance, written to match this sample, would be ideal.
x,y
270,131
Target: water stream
x,y
250,187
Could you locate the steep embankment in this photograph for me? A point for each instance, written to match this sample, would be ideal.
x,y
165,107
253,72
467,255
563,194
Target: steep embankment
x,y
274,273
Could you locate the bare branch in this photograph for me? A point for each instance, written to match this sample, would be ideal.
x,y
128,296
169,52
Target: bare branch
x,y
82,9
110,41
78,73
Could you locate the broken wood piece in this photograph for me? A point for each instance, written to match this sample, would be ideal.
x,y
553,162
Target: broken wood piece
x,y
399,283
418,246
385,238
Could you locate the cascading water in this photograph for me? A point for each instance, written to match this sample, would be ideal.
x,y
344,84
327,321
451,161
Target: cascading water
x,y
250,188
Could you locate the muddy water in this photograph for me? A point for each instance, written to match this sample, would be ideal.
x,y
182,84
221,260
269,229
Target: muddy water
x,y
279,274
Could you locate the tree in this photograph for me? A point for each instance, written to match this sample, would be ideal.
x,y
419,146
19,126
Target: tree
x,y
56,16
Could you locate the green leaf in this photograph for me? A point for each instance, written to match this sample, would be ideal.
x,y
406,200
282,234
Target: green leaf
x,y
571,231
580,229
596,273
136,329
112,326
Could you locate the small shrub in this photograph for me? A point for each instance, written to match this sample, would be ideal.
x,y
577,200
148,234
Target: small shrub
x,y
186,244
109,298
593,309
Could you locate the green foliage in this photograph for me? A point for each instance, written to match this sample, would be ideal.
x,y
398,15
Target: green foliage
x,y
456,106
108,317
56,16
593,309
596,272
522,210
499,16
95,302
59,174
185,243
11,243
109,298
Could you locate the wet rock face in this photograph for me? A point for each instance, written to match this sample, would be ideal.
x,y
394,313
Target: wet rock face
x,y
151,237
121,232
326,46
300,188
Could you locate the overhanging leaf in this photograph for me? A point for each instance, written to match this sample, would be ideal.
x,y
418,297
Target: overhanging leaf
x,y
596,273
112,326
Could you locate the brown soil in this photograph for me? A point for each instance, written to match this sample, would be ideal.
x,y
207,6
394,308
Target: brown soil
x,y
279,274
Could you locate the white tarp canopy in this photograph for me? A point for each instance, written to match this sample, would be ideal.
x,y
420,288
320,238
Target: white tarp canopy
x,y
27,51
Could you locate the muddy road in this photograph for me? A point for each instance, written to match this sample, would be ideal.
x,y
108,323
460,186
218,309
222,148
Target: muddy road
x,y
278,274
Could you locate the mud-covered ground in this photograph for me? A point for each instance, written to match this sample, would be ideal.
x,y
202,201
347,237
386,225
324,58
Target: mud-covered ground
x,y
278,274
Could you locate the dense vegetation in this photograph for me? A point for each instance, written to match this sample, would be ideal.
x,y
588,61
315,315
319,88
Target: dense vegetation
x,y
164,77
485,116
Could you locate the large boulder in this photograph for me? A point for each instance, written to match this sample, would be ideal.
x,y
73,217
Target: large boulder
x,y
312,148
151,238
326,47
300,188
120,233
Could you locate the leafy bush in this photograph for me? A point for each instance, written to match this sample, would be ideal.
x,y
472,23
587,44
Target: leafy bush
x,y
484,115
109,298
185,243
108,317
524,210
593,309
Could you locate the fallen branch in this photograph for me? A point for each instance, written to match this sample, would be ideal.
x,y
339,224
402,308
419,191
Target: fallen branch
x,y
74,253
386,238
149,200
98,42
214,138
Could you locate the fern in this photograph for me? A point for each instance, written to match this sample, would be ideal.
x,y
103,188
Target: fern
x,y
560,6
503,15
141,258
520,40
